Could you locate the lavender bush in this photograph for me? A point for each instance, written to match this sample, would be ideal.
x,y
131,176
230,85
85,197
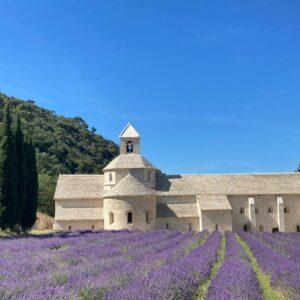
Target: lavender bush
x,y
82,264
137,265
235,279
285,273
285,246
178,280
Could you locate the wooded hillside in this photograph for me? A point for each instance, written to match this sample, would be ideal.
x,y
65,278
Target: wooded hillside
x,y
63,145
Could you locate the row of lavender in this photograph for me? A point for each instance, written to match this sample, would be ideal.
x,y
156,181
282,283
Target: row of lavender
x,y
177,280
136,265
277,256
285,244
104,264
235,279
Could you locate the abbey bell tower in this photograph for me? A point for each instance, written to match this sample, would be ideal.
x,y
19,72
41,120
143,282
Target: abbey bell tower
x,y
129,198
129,140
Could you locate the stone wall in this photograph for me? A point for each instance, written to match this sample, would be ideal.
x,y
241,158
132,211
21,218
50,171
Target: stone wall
x,y
292,215
265,220
216,219
181,224
117,175
79,209
116,213
67,225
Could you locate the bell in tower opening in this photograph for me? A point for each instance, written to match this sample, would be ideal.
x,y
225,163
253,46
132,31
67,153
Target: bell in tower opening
x,y
129,141
129,147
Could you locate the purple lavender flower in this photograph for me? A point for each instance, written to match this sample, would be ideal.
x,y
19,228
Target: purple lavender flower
x,y
179,280
284,272
284,246
235,279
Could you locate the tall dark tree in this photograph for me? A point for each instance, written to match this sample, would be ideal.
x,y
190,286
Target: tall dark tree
x,y
20,167
8,187
31,184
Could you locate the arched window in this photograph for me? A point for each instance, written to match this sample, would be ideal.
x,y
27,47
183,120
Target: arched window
x,y
148,217
93,227
286,210
110,177
167,225
217,227
246,227
111,218
129,218
242,210
190,226
256,210
270,210
261,228
129,147
298,228
70,227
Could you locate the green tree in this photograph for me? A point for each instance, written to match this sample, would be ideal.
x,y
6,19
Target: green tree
x,y
31,183
8,182
47,184
20,160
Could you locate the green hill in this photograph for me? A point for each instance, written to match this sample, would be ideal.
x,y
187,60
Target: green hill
x,y
63,145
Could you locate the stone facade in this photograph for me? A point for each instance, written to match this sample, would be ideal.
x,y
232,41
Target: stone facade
x,y
132,195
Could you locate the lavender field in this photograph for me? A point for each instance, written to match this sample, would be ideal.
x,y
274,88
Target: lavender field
x,y
152,265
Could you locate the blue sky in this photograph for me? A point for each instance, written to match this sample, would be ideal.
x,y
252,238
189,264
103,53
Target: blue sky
x,y
212,86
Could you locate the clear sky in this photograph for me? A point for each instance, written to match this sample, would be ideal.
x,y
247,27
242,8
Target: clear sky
x,y
212,86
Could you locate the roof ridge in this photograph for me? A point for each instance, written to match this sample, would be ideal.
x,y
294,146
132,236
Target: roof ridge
x,y
236,174
83,175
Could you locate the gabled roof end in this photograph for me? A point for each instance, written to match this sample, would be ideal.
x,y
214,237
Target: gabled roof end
x,y
129,131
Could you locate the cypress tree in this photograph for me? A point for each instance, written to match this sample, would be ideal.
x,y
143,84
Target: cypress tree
x,y
20,168
8,188
31,184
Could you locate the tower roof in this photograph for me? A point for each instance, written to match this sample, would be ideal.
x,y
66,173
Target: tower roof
x,y
129,161
129,186
129,132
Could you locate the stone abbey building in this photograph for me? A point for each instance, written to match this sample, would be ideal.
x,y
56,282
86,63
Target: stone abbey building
x,y
132,194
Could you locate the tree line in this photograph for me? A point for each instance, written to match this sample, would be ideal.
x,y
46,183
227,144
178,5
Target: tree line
x,y
18,175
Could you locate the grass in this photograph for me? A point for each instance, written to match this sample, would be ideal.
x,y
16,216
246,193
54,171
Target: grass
x,y
3,233
60,279
32,232
268,292
41,232
201,291
196,244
